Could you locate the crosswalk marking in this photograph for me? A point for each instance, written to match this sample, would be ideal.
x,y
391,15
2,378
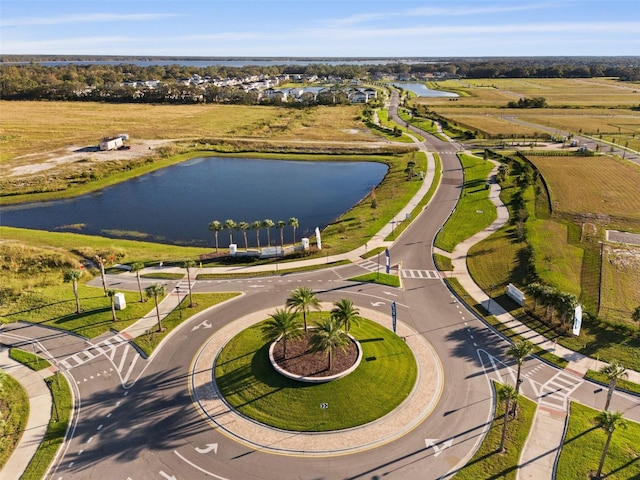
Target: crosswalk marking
x,y
429,274
556,391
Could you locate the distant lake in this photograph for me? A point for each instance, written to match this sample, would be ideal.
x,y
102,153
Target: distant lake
x,y
421,90
175,205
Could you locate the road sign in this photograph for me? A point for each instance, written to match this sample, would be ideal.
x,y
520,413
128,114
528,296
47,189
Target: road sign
x,y
324,405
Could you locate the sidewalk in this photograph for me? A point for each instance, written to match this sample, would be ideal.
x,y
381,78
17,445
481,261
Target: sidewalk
x,y
40,404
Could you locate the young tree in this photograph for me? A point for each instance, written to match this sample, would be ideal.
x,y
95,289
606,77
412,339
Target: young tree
x,y
519,351
280,225
345,313
613,371
327,338
112,296
215,227
283,324
137,267
154,291
608,421
302,299
293,223
635,316
267,223
101,261
508,394
230,225
73,276
189,264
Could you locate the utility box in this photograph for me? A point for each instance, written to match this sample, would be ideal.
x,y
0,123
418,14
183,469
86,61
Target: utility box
x,y
233,249
119,301
305,243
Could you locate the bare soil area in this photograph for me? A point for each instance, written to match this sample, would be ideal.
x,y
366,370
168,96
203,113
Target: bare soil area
x,y
300,361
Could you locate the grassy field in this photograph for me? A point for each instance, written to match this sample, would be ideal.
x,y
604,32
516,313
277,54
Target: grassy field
x,y
249,383
379,278
474,211
584,443
620,282
14,413
488,462
27,131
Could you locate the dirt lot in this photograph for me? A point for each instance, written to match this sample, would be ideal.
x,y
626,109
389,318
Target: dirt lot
x,y
76,153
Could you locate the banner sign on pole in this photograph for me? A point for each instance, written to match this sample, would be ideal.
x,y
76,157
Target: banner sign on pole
x,y
393,315
577,320
318,239
387,259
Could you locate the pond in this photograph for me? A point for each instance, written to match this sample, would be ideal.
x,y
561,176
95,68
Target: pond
x,y
421,90
175,205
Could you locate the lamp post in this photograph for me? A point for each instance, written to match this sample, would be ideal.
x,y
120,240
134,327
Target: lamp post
x,y
179,302
489,302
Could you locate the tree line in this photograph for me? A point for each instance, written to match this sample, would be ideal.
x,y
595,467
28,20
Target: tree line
x,y
230,225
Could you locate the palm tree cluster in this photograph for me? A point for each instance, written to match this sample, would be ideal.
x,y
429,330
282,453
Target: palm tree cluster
x,y
555,302
328,335
230,225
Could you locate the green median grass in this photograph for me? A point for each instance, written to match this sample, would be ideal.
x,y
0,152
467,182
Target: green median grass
x,y
488,462
379,278
584,443
474,211
13,415
383,380
201,301
621,384
60,416
31,360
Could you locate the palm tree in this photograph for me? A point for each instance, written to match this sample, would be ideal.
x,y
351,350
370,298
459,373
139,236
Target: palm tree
x,y
112,296
345,313
281,224
613,371
257,225
608,421
535,290
101,261
519,351
302,299
137,267
327,338
283,324
508,394
267,223
567,304
549,299
230,225
156,290
189,264
73,276
243,227
293,223
215,227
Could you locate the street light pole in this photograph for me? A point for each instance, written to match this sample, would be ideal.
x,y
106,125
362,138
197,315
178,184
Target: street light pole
x,y
179,302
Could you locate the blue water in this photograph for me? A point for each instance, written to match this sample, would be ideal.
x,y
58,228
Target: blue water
x,y
175,205
422,90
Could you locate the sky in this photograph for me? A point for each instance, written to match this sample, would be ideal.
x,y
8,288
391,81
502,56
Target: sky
x,y
321,28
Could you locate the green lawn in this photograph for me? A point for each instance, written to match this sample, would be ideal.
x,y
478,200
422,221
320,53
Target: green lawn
x,y
248,382
14,413
31,360
488,462
474,211
584,443
379,278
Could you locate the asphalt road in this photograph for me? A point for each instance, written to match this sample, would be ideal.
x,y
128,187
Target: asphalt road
x,y
135,418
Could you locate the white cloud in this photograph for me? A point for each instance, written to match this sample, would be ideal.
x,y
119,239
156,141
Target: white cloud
x,y
86,18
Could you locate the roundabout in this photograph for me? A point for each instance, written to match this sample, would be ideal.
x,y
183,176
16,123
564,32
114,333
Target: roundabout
x,y
411,412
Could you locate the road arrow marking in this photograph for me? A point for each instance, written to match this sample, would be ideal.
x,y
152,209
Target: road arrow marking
x,y
208,448
204,324
377,304
389,293
167,476
431,442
